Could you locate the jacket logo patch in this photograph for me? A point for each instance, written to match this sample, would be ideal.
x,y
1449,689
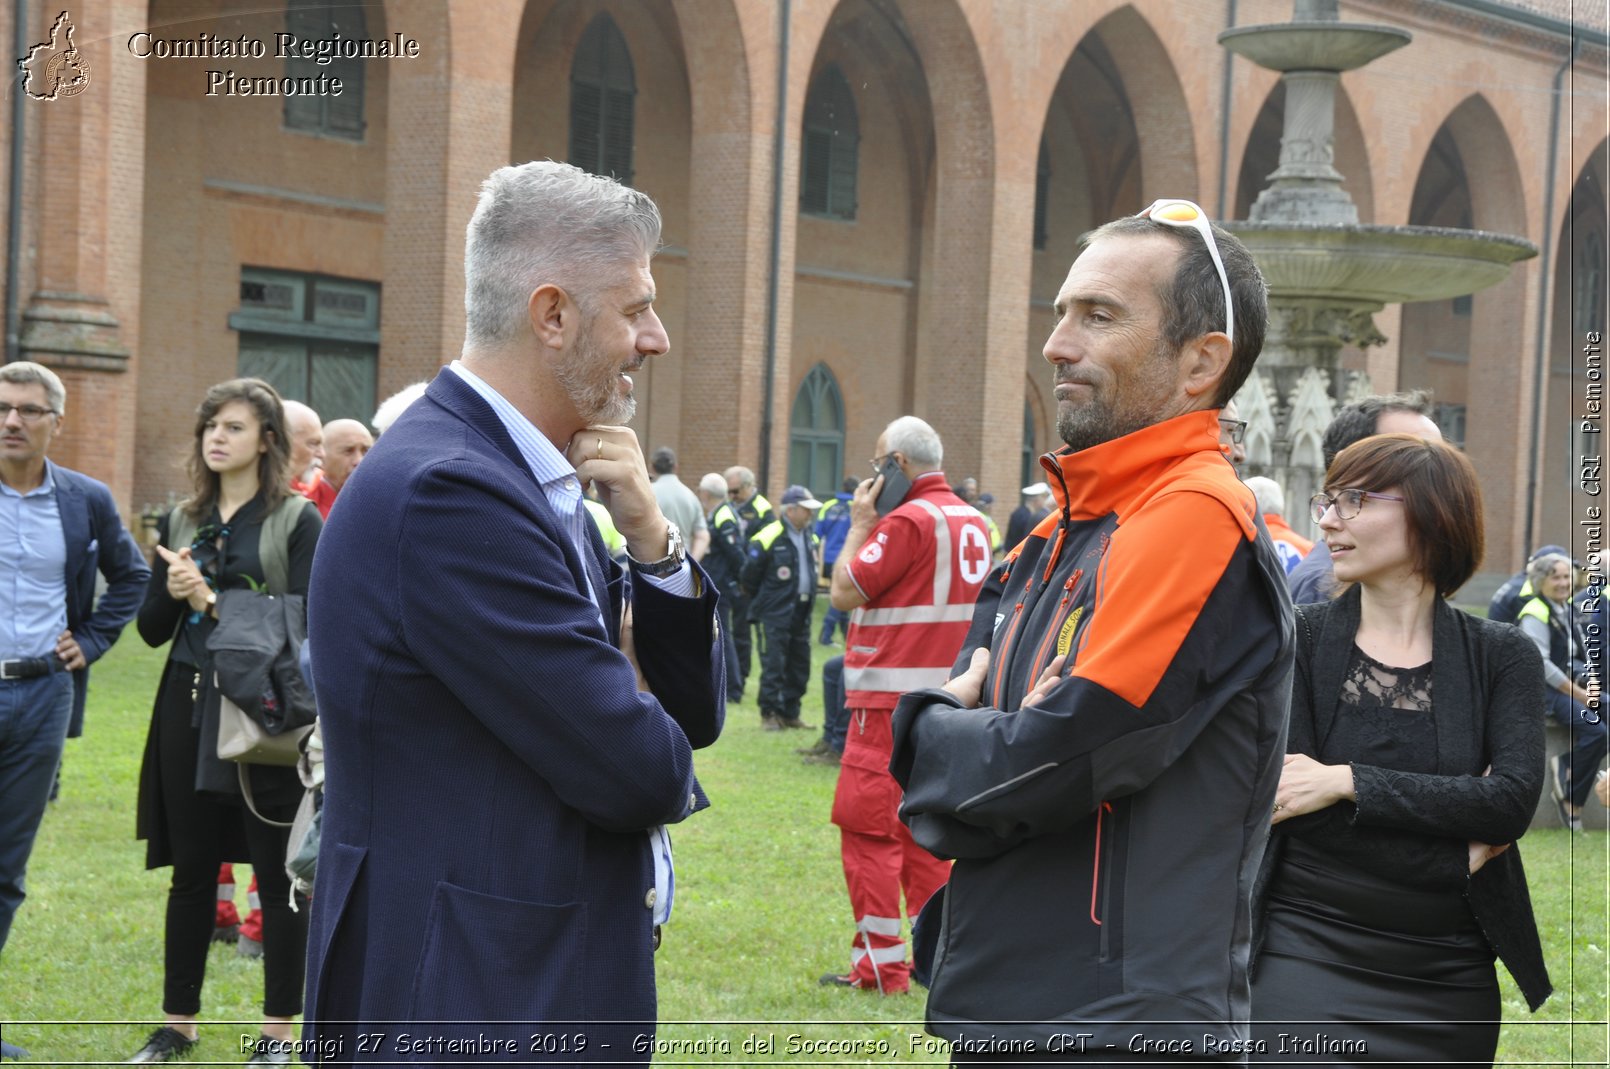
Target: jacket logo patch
x,y
784,572
872,553
974,554
1069,626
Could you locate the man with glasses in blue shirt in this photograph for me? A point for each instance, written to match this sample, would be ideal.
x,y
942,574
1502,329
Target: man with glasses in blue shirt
x,y
57,529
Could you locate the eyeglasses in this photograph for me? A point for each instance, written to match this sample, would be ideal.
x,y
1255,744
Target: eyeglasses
x,y
1187,214
1346,502
29,413
1235,428
877,462
733,491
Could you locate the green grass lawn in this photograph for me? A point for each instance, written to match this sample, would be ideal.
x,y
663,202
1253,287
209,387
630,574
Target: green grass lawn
x,y
761,913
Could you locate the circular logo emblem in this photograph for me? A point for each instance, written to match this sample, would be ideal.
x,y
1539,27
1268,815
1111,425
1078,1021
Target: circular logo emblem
x,y
783,572
975,554
872,553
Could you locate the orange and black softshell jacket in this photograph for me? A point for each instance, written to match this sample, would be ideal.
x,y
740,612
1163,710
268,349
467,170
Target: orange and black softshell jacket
x,y
1106,840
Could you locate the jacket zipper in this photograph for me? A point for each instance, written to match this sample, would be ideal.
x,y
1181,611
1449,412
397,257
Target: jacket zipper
x,y
998,658
1098,885
1058,617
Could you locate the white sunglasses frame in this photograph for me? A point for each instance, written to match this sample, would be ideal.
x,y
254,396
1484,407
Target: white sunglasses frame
x,y
1202,226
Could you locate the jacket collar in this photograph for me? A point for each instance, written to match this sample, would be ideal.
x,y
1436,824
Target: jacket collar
x,y
1111,477
459,397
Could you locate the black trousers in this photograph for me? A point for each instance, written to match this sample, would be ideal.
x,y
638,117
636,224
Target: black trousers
x,y
198,826
743,644
785,663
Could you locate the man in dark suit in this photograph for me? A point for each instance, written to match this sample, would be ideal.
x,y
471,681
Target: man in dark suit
x,y
509,717
57,529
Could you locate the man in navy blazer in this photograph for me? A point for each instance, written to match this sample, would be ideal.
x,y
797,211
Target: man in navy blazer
x,y
509,718
58,528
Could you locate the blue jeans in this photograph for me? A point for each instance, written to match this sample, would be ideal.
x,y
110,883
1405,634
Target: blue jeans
x,y
835,717
33,728
1588,741
836,620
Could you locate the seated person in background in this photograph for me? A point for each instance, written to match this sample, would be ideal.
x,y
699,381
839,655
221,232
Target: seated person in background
x,y
1573,690
1507,600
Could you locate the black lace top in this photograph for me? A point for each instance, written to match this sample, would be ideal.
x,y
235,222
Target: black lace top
x,y
1383,717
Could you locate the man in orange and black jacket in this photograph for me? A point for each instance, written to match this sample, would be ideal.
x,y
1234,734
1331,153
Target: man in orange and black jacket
x,y
1103,763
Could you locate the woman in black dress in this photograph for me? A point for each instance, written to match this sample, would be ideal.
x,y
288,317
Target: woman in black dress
x,y
1415,759
242,528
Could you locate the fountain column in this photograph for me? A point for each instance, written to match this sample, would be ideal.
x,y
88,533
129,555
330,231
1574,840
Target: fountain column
x,y
1327,273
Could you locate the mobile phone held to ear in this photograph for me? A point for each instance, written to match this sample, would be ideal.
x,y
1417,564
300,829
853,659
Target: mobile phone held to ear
x,y
895,487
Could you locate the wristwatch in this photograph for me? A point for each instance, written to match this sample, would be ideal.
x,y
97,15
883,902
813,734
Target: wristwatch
x,y
669,564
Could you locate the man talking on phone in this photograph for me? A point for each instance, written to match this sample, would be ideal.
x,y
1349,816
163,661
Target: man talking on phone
x,y
912,565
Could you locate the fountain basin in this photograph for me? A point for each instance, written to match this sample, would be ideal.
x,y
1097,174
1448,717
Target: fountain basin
x,y
1378,265
1314,46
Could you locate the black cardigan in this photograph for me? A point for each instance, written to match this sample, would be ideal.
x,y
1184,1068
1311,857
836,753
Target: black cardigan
x,y
1414,828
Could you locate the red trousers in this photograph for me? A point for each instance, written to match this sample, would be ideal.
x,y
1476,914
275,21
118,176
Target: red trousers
x,y
252,926
880,858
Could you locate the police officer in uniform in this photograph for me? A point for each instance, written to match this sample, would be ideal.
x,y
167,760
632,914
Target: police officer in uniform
x,y
723,563
754,512
780,578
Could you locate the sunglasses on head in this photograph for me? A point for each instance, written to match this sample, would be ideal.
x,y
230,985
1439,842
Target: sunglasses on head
x,y
1191,216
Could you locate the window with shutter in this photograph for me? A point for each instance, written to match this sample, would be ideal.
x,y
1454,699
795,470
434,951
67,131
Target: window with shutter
x,y
314,339
333,116
603,96
830,147
1589,281
1042,190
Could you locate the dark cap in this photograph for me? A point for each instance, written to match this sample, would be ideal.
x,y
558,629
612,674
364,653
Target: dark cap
x,y
798,495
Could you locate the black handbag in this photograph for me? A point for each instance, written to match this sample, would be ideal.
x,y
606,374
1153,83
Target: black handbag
x,y
265,707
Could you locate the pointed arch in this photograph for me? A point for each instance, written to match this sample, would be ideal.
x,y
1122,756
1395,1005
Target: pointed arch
x,y
1472,352
816,432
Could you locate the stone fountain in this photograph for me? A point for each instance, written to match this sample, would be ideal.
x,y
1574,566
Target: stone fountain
x,y
1327,273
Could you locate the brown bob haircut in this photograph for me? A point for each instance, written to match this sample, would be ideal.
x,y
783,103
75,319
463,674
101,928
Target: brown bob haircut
x,y
1441,499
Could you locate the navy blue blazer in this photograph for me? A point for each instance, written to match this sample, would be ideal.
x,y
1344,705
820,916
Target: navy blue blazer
x,y
97,541
491,768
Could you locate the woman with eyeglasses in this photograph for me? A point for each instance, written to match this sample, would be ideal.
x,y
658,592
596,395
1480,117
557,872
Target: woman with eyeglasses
x,y
1414,761
241,528
1571,691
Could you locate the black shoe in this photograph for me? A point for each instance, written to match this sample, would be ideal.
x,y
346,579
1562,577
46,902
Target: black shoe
x,y
228,933
831,757
771,723
247,947
835,980
164,1045
270,1052
794,723
815,750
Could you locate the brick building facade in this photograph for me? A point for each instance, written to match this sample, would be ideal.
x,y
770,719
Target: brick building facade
x,y
939,159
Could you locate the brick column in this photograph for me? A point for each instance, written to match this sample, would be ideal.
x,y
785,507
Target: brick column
x,y
974,286
732,74
448,128
80,280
